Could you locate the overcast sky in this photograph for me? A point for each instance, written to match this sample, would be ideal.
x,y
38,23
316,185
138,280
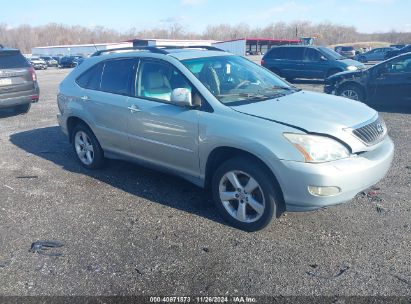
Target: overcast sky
x,y
366,15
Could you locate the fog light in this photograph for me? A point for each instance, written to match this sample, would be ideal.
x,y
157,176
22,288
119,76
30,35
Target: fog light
x,y
323,191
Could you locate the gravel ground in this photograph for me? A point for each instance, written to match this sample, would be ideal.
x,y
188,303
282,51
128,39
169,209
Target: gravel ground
x,y
129,230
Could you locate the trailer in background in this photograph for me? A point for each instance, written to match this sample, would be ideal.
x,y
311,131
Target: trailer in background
x,y
252,46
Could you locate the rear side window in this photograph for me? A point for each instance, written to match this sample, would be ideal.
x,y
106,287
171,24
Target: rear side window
x,y
294,53
12,59
117,76
91,79
277,53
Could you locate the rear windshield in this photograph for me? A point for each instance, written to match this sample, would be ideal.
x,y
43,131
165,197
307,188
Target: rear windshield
x,y
347,48
12,59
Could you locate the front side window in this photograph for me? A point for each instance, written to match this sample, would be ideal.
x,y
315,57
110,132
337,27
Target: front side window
x,y
399,65
234,79
117,76
158,80
312,55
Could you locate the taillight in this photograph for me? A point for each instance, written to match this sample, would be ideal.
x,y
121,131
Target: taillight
x,y
33,73
262,62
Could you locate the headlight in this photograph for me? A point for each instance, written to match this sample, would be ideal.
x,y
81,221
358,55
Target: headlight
x,y
352,68
316,149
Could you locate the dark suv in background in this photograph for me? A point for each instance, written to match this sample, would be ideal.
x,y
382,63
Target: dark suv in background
x,y
18,81
313,62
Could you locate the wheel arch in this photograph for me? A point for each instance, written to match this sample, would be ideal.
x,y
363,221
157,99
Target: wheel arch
x,y
72,122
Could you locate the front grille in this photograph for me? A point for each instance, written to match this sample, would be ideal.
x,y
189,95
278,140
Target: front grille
x,y
371,133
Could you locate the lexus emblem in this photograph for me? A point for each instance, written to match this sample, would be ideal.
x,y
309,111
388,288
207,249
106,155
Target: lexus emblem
x,y
380,128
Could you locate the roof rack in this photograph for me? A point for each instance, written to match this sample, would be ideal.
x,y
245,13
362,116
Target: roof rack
x,y
142,48
158,50
206,47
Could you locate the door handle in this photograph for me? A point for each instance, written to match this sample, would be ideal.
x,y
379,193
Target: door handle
x,y
84,98
134,108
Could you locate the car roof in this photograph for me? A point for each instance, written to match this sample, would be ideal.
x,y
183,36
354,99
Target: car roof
x,y
178,52
9,49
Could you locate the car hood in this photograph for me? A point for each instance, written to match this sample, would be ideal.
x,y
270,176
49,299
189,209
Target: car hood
x,y
356,73
314,113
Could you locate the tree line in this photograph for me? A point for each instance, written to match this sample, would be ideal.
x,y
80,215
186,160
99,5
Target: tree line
x,y
25,37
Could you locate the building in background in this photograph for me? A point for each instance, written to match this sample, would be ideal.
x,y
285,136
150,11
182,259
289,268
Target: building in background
x,y
252,46
76,49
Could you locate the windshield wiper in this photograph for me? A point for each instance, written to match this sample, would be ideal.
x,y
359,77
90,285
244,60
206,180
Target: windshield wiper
x,y
292,88
248,96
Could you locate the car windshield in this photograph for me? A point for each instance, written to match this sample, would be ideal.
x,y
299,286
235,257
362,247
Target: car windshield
x,y
236,80
330,54
347,48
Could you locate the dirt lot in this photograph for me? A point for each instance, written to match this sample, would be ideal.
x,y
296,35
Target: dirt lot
x,y
129,230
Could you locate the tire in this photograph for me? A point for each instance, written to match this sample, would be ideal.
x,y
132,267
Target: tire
x,y
259,205
22,109
87,148
351,91
332,72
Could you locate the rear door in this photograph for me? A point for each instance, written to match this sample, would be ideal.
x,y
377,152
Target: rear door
x,y
105,90
293,66
15,73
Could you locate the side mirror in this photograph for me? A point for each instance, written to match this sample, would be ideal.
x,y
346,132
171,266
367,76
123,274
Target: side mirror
x,y
182,97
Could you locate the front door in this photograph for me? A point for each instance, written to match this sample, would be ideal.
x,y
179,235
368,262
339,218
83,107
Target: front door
x,y
392,84
161,132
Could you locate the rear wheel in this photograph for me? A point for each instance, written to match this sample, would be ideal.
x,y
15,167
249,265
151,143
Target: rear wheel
x,y
87,148
246,194
351,91
22,109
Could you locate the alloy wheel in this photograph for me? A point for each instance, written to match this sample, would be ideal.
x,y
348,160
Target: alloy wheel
x,y
84,148
242,196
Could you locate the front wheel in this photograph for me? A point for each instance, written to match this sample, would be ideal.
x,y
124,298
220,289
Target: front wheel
x,y
352,92
246,194
87,148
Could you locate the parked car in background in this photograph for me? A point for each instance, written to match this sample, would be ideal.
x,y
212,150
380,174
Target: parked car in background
x,y
225,123
51,62
346,51
377,54
18,81
313,62
70,61
397,46
38,63
394,53
387,83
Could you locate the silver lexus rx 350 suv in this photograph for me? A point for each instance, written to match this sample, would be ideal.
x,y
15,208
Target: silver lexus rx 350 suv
x,y
225,123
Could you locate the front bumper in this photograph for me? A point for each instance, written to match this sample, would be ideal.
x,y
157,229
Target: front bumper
x,y
351,175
